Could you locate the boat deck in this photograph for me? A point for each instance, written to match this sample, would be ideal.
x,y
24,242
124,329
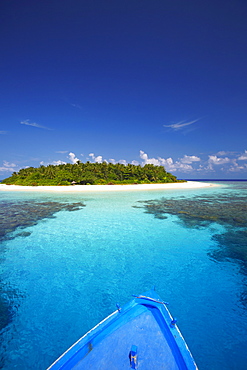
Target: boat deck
x,y
113,352
144,323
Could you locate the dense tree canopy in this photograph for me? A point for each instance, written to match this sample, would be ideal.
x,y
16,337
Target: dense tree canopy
x,y
90,173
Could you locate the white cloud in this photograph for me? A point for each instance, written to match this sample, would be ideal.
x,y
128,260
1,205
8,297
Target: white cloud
x,y
213,159
177,166
181,124
135,163
222,152
228,164
235,167
54,163
243,157
7,166
238,168
147,160
73,158
123,161
207,168
183,167
168,163
187,163
98,159
143,155
33,124
61,151
190,159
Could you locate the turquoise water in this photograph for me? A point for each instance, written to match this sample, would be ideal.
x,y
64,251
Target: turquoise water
x,y
62,275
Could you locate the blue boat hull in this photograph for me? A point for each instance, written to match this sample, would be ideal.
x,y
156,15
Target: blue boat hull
x,y
141,335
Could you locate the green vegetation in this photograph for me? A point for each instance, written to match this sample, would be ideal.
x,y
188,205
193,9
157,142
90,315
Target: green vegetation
x,y
90,174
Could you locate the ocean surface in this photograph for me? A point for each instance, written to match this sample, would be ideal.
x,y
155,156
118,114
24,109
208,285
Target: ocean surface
x,y
66,259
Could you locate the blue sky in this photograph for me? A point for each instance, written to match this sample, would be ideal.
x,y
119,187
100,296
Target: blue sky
x,y
161,81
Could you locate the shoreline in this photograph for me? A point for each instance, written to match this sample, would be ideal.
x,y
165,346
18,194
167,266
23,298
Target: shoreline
x,y
98,188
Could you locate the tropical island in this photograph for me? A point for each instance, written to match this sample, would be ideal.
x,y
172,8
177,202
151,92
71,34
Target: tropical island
x,y
90,174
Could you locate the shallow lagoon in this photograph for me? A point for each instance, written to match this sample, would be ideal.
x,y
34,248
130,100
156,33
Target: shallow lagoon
x,y
64,272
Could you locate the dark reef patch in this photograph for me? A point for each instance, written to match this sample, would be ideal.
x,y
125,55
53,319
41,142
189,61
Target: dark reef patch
x,y
9,305
233,246
228,210
201,211
14,215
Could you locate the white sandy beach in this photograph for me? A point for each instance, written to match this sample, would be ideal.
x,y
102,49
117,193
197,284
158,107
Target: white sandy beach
x,y
89,188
